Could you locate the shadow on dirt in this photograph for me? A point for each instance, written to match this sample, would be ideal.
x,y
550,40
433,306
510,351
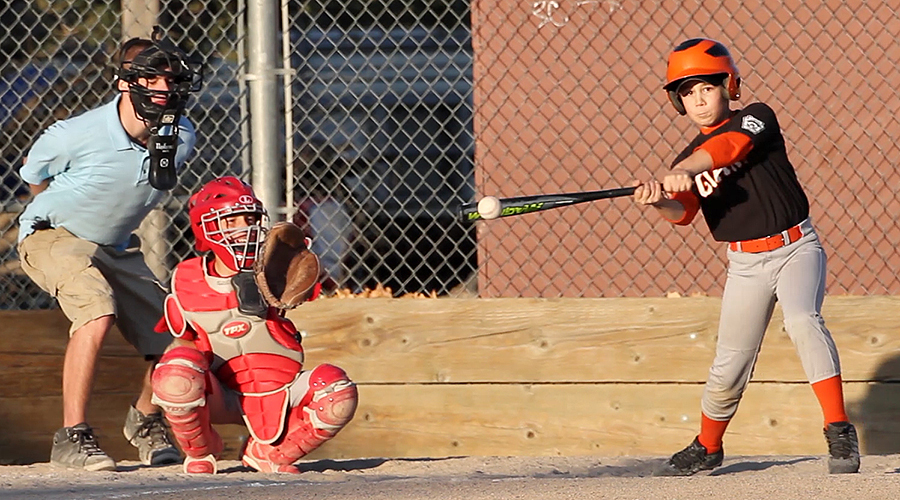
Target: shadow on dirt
x,y
341,465
749,465
645,468
630,468
875,415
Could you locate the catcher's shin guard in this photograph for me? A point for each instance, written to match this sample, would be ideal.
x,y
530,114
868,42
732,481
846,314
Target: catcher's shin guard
x,y
179,387
327,407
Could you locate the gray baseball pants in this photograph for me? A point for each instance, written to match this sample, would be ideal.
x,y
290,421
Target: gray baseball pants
x,y
794,275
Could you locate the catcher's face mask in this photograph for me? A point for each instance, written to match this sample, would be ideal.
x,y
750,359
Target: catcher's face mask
x,y
228,219
232,239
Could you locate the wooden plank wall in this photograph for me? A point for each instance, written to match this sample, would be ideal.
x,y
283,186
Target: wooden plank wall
x,y
450,377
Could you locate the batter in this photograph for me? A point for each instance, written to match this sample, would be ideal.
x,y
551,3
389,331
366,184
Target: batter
x,y
736,170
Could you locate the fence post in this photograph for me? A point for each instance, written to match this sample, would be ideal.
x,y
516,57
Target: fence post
x,y
265,143
138,17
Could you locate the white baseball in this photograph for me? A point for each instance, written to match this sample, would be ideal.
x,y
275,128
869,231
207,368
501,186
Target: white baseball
x,y
489,207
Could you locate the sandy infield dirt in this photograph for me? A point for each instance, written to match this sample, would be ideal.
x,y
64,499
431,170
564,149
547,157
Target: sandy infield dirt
x,y
468,478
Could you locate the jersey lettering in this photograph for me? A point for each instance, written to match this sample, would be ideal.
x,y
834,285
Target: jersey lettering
x,y
708,180
765,181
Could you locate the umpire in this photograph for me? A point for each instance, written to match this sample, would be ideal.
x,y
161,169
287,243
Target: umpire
x,y
90,176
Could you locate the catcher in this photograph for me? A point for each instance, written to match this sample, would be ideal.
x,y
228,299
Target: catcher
x,y
235,358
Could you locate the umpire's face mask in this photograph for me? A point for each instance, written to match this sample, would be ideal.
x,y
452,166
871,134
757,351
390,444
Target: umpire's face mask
x,y
156,64
151,99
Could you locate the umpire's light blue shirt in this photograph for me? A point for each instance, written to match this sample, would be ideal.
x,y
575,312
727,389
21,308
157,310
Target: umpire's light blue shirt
x,y
99,188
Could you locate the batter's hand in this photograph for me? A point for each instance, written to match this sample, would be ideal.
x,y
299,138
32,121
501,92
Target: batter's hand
x,y
648,193
677,180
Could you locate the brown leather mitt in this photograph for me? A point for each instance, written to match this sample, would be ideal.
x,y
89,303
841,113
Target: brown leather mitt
x,y
286,271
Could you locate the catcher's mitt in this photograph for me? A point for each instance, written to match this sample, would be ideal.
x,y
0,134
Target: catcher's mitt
x,y
286,271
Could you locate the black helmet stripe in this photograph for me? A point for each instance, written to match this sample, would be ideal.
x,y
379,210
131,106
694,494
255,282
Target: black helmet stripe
x,y
716,50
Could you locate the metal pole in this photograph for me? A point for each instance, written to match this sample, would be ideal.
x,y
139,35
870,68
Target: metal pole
x,y
242,85
265,145
288,74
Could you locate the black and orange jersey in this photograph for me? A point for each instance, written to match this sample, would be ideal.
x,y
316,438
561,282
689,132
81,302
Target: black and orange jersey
x,y
754,197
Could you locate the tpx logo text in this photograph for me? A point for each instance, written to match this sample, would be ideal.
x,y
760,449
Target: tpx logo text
x,y
235,329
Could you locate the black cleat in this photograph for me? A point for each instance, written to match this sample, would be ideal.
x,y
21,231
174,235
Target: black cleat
x,y
691,460
843,448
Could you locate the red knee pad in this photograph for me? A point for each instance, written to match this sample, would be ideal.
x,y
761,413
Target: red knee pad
x,y
185,354
179,387
179,380
323,375
333,398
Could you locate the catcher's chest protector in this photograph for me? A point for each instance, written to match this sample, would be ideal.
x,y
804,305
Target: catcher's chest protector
x,y
258,358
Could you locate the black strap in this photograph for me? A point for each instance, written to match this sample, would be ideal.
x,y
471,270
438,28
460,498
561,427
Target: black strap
x,y
40,225
249,299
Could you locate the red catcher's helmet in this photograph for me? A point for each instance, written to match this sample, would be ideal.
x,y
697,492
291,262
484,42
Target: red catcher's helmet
x,y
700,57
224,197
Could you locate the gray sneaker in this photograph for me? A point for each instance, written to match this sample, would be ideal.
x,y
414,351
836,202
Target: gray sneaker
x,y
150,435
76,448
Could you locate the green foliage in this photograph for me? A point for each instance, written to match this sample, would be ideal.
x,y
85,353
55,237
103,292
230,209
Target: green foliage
x,y
91,28
206,28
43,29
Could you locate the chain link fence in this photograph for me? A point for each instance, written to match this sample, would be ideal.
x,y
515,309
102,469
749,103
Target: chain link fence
x,y
568,98
382,136
58,60
395,112
378,143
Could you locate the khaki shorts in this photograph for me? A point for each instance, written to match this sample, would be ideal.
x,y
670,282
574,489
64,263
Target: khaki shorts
x,y
91,281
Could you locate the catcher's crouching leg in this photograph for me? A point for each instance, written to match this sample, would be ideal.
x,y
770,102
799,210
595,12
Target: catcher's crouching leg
x,y
329,404
179,388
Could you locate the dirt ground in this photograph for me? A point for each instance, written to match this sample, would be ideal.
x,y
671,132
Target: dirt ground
x,y
468,478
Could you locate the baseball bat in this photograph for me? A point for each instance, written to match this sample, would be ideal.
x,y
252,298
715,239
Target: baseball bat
x,y
519,205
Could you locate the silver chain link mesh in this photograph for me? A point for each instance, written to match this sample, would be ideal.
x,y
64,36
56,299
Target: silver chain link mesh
x,y
58,60
381,140
383,135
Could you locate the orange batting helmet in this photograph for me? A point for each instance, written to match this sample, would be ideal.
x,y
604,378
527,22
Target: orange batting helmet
x,y
699,57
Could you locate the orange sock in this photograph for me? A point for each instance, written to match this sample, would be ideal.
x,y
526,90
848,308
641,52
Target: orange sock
x,y
711,432
831,399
